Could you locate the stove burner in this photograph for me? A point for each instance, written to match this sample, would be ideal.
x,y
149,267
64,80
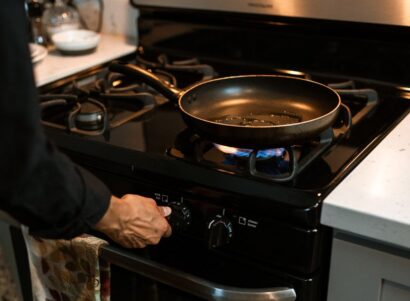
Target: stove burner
x,y
95,104
245,153
90,116
86,117
277,164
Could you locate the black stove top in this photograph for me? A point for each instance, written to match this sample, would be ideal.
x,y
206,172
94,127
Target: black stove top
x,y
143,123
130,129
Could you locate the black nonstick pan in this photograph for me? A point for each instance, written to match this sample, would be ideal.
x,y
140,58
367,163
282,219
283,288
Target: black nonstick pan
x,y
251,111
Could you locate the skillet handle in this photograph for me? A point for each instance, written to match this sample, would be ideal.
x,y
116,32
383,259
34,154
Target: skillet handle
x,y
138,73
347,121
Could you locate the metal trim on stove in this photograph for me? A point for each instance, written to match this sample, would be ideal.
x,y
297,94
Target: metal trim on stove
x,y
191,284
392,12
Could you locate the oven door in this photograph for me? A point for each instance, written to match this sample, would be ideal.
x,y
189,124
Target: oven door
x,y
150,276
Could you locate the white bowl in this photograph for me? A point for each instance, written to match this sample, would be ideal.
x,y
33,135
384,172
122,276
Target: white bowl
x,y
77,40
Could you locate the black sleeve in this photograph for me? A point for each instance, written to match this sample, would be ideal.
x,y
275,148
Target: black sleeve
x,y
39,186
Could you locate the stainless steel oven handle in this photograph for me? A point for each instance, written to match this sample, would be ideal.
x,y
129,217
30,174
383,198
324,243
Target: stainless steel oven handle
x,y
189,283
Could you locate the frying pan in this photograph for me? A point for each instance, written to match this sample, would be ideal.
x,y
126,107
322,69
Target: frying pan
x,y
250,111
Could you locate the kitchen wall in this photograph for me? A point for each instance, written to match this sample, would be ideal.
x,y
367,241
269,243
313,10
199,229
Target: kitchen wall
x,y
120,18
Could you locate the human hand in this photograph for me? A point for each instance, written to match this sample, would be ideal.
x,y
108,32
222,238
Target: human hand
x,y
135,221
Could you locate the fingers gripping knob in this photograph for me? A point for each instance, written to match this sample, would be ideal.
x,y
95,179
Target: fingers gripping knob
x,y
180,218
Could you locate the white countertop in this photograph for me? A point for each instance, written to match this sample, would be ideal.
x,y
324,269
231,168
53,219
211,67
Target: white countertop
x,y
56,66
374,199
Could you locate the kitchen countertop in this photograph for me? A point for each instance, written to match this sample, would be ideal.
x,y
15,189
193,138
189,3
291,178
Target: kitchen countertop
x,y
373,201
56,66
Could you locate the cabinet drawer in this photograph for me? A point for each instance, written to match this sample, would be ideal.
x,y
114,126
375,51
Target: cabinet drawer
x,y
361,272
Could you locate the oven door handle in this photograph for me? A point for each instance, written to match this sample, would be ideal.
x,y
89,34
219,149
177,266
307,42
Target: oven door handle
x,y
189,283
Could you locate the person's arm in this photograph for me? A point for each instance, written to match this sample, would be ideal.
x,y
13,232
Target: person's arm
x,y
39,186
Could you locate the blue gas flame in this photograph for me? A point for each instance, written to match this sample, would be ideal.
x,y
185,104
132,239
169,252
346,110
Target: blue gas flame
x,y
244,153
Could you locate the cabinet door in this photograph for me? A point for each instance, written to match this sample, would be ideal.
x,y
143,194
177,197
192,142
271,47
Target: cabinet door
x,y
363,273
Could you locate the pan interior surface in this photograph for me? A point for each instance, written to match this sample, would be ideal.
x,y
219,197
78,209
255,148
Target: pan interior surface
x,y
259,101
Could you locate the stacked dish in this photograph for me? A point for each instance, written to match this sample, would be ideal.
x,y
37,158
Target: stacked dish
x,y
37,52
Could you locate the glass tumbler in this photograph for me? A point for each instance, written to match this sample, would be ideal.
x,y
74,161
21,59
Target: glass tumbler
x,y
60,17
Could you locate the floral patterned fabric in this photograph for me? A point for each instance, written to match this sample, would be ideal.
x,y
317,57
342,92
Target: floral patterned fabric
x,y
68,270
8,291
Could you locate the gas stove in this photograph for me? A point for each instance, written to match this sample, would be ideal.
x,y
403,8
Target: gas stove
x,y
238,209
108,107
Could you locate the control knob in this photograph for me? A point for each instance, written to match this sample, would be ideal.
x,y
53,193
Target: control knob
x,y
220,232
180,217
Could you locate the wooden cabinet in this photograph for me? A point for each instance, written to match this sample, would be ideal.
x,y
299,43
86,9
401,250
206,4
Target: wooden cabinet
x,y
367,271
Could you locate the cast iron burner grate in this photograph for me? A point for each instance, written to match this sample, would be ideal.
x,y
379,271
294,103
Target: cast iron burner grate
x,y
190,67
89,116
284,163
280,168
96,107
93,106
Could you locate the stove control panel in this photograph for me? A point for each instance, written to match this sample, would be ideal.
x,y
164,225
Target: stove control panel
x,y
223,225
203,220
